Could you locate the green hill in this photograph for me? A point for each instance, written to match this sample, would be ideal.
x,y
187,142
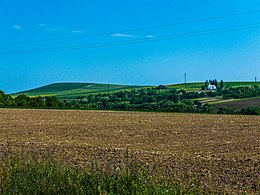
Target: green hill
x,y
73,90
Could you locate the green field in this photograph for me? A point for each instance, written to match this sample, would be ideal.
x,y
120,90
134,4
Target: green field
x,y
187,86
197,85
241,83
73,90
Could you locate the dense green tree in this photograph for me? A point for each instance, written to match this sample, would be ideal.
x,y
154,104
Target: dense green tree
x,y
9,101
205,86
2,97
206,108
251,111
216,82
37,102
161,87
52,102
221,84
226,110
22,100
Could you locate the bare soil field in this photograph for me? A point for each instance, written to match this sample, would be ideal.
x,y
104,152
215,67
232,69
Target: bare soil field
x,y
220,152
238,104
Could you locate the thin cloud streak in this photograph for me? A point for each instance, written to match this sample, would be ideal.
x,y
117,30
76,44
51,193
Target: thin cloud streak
x,y
17,27
42,25
122,35
77,31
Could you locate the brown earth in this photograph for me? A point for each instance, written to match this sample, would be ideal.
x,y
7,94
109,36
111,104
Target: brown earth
x,y
221,152
238,104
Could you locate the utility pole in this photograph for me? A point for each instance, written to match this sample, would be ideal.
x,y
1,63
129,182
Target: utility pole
x,y
255,79
185,78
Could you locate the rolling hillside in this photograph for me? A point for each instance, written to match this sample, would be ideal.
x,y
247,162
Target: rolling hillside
x,y
73,90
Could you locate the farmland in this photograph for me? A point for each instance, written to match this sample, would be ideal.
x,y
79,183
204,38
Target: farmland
x,y
73,90
238,104
221,152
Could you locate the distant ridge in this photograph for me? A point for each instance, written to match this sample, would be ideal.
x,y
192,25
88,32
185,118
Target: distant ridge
x,y
74,89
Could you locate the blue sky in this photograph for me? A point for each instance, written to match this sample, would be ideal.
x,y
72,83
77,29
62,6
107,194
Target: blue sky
x,y
232,56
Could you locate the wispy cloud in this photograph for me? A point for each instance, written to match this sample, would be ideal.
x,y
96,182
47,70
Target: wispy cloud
x,y
55,28
42,25
17,27
150,36
77,31
122,35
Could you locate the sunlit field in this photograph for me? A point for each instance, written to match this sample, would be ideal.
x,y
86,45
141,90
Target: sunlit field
x,y
216,152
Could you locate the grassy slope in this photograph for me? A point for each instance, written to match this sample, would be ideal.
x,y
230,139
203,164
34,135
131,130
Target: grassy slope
x,y
238,84
187,86
73,90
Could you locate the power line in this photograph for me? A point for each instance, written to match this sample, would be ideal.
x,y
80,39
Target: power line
x,y
135,29
135,41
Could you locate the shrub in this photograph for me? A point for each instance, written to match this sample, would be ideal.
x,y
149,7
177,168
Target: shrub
x,y
251,111
226,110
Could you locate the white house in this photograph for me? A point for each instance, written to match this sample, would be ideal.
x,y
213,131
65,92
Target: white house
x,y
212,87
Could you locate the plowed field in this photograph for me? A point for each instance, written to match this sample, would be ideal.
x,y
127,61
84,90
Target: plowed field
x,y
239,104
221,152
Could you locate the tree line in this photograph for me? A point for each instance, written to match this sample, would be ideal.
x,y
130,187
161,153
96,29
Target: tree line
x,y
30,102
168,100
148,99
159,98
